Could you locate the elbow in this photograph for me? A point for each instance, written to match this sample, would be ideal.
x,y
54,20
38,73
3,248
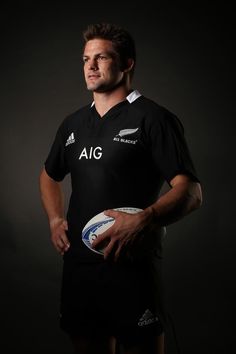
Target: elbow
x,y
197,196
198,203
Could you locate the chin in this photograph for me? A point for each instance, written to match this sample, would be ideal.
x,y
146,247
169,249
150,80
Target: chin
x,y
90,88
94,88
101,88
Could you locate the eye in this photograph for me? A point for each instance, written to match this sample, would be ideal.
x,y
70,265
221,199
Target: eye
x,y
102,57
85,59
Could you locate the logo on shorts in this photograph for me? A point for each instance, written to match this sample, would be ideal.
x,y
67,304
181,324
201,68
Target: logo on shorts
x,y
147,318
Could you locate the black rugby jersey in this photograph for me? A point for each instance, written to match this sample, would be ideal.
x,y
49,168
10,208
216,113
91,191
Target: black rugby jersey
x,y
119,160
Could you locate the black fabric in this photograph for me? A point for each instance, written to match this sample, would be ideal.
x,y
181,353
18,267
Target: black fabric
x,y
119,160
120,299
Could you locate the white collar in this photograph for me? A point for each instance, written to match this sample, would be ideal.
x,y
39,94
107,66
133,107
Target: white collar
x,y
131,97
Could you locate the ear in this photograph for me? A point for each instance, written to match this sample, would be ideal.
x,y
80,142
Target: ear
x,y
129,66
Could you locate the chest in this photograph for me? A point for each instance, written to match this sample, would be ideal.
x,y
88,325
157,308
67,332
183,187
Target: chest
x,y
118,143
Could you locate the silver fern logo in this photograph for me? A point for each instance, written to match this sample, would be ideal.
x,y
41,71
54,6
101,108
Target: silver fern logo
x,y
125,133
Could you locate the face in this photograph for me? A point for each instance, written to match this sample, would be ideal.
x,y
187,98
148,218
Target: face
x,y
101,66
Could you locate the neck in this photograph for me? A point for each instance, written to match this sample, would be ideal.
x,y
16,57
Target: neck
x,y
104,101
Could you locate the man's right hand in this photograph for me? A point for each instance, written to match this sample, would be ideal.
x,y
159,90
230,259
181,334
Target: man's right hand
x,y
59,238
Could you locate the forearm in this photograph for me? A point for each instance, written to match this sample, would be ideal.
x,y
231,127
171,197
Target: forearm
x,y
179,201
52,198
53,202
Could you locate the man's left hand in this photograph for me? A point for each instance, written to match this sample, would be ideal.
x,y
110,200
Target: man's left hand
x,y
122,233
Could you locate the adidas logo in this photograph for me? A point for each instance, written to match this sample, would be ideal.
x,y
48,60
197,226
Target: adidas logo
x,y
147,318
70,140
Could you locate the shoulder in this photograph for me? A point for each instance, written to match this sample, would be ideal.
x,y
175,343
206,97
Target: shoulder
x,y
74,119
155,114
77,115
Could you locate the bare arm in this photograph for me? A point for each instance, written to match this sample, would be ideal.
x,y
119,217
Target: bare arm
x,y
184,197
53,202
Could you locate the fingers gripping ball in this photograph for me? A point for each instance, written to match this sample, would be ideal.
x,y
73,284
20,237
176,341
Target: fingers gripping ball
x,y
99,224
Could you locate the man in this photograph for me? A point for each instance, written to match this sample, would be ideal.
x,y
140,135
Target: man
x,y
119,150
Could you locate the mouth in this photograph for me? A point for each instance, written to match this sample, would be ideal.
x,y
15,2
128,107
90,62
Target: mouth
x,y
93,76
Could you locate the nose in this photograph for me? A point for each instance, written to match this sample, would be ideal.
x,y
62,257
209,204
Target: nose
x,y
93,64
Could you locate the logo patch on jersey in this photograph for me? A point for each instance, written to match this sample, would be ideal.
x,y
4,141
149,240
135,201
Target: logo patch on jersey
x,y
124,133
91,153
147,318
70,140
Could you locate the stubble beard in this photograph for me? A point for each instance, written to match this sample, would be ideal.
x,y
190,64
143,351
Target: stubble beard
x,y
103,86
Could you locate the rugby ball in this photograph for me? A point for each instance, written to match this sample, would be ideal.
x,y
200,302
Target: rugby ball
x,y
99,224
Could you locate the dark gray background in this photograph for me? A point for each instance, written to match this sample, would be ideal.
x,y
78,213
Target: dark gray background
x,y
185,62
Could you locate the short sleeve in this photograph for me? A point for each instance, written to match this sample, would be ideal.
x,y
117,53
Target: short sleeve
x,y
55,164
170,151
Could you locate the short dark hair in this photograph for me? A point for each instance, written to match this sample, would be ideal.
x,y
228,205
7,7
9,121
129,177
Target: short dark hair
x,y
123,42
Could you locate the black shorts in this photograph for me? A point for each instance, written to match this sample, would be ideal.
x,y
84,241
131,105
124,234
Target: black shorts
x,y
121,299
